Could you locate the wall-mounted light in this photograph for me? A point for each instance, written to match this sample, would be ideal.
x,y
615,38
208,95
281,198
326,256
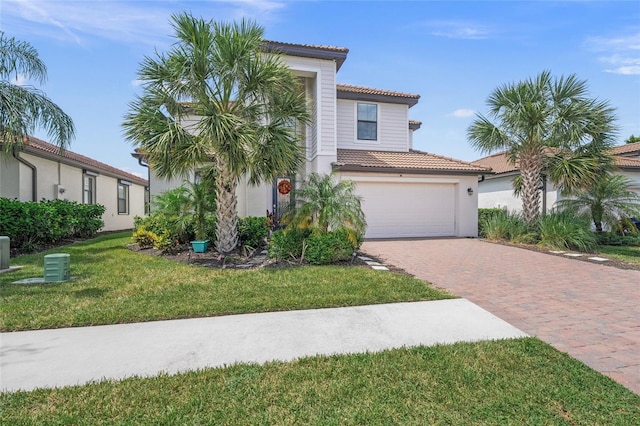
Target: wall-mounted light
x,y
470,191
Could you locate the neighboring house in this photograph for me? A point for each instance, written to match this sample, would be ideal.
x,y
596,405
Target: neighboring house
x,y
496,190
41,171
365,135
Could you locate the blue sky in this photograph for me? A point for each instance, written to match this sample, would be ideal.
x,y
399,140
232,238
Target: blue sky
x,y
451,53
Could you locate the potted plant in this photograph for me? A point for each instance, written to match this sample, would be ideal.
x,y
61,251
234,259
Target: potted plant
x,y
203,203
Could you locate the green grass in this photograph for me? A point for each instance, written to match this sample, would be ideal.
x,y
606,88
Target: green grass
x,y
625,253
517,382
115,285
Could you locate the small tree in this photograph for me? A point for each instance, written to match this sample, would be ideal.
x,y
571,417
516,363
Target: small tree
x,y
325,204
547,125
608,201
632,139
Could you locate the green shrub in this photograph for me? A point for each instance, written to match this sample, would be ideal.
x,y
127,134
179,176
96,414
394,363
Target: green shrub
x,y
253,231
566,230
328,247
484,215
508,226
614,239
144,238
47,222
287,243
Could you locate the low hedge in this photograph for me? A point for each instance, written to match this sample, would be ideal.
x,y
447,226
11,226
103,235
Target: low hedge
x,y
32,224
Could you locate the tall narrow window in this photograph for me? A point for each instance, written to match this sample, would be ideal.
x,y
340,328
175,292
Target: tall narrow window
x,y
88,189
123,197
368,122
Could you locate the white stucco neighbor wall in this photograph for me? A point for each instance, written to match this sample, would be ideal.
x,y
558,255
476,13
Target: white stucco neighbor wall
x,y
497,192
9,177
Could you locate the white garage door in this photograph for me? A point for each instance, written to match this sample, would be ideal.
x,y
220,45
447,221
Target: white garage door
x,y
408,209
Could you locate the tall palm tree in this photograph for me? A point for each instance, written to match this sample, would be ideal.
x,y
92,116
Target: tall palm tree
x,y
217,97
609,200
25,108
325,204
547,125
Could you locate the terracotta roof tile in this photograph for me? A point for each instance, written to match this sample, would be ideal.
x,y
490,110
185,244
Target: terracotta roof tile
x,y
416,161
370,91
499,163
630,148
35,145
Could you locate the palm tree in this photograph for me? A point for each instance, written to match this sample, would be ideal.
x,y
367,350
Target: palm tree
x,y
217,97
25,108
547,125
608,201
325,204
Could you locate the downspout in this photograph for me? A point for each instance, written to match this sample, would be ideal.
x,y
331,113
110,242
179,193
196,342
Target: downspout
x,y
34,173
544,194
147,207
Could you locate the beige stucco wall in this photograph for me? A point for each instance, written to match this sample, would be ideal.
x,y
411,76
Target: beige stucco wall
x,y
56,180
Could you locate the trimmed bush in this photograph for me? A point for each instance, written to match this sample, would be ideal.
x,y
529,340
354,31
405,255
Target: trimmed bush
x,y
613,239
328,247
566,230
30,224
253,231
287,243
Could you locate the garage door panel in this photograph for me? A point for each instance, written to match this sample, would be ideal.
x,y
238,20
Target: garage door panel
x,y
408,209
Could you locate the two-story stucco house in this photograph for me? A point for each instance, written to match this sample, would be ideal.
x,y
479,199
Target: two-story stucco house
x,y
365,135
41,171
497,189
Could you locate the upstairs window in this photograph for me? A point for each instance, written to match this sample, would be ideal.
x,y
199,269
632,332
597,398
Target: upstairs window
x,y
368,122
123,197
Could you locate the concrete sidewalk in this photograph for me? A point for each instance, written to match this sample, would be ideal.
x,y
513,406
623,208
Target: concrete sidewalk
x,y
70,356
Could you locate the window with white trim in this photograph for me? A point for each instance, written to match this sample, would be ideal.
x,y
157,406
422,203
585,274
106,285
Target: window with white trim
x,y
367,122
88,188
123,197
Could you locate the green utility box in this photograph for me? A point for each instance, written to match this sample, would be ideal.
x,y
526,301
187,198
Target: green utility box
x,y
57,267
4,253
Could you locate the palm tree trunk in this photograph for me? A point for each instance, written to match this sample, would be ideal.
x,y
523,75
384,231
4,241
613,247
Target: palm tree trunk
x,y
530,168
226,210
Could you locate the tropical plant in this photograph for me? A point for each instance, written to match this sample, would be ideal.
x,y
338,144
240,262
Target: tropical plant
x,y
328,205
607,202
547,125
566,230
217,97
25,108
187,207
508,226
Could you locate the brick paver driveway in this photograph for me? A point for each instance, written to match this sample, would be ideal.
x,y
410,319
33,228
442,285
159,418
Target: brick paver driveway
x,y
590,311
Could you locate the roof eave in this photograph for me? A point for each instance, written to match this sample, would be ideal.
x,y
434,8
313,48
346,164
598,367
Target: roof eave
x,y
369,169
339,56
376,97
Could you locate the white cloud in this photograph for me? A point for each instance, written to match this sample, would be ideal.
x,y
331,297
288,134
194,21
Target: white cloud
x,y
462,113
144,22
458,29
623,53
20,80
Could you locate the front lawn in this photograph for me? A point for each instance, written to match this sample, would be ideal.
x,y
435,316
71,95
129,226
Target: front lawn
x,y
625,253
115,285
518,382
